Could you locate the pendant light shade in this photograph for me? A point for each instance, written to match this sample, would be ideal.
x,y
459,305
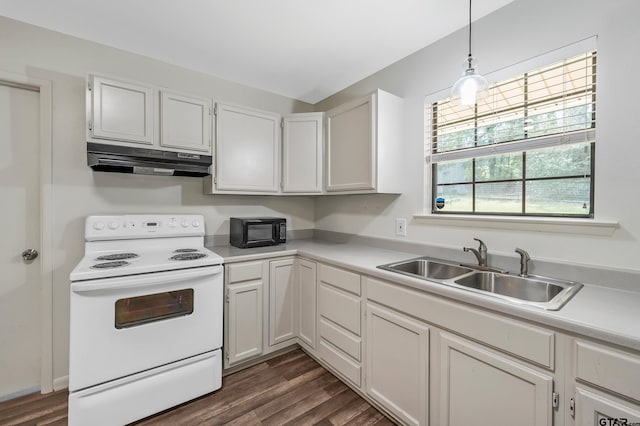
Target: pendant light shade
x,y
471,87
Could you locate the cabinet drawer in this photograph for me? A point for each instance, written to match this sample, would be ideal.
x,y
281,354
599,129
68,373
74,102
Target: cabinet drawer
x,y
523,340
340,362
340,307
340,338
245,271
610,369
339,278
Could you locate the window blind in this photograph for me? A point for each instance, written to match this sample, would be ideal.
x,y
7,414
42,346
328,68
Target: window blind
x,y
553,105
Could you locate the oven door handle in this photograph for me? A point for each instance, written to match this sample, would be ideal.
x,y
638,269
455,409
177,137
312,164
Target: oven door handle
x,y
144,280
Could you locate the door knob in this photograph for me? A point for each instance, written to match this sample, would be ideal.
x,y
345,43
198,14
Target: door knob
x,y
29,254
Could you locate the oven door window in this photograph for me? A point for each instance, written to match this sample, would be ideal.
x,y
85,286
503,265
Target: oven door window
x,y
140,310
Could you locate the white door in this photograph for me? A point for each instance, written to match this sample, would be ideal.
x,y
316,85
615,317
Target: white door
x,y
247,149
302,153
351,139
397,362
20,311
306,302
244,307
282,318
482,388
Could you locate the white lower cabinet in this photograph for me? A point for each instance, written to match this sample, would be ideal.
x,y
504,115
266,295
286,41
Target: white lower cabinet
x,y
340,322
243,311
595,409
244,321
397,363
425,359
306,302
282,312
607,385
483,388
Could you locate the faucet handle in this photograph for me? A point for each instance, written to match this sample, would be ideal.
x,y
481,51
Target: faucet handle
x,y
523,253
483,246
524,262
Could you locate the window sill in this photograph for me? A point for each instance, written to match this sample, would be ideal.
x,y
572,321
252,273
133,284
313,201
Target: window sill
x,y
536,224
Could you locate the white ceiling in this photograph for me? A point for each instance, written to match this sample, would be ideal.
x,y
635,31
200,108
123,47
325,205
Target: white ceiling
x,y
303,49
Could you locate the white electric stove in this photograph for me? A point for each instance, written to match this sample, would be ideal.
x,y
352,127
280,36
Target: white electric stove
x,y
146,318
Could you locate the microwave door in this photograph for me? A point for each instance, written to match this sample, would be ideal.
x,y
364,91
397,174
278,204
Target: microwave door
x,y
260,233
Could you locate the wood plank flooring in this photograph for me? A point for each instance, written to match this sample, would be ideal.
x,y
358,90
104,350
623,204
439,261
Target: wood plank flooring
x,y
291,389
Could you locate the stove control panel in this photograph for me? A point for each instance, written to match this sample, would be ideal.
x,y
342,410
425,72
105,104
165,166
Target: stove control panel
x,y
99,228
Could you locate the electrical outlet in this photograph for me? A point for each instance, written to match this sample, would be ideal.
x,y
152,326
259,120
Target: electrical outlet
x,y
401,227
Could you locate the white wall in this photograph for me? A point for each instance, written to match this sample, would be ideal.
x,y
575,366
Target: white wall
x,y
519,31
77,191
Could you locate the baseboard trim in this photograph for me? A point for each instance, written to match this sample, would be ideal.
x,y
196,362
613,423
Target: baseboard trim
x,y
60,383
20,393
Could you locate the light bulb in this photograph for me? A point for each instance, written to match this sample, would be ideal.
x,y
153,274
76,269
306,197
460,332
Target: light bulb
x,y
470,88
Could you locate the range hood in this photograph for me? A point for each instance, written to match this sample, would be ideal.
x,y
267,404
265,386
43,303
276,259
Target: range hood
x,y
123,159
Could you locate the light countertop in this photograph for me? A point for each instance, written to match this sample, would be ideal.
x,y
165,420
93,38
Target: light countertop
x,y
603,313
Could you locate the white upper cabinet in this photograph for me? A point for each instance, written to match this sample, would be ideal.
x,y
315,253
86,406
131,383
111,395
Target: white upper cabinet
x,y
247,156
185,122
128,113
365,145
302,153
121,111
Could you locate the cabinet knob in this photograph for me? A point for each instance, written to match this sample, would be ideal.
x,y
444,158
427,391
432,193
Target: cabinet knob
x,y
29,255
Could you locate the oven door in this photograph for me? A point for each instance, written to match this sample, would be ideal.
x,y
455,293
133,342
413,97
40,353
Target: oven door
x,y
124,325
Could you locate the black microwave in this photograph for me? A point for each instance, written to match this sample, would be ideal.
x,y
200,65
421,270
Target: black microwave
x,y
245,232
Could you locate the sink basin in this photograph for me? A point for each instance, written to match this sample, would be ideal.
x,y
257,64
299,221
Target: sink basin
x,y
541,292
426,268
548,293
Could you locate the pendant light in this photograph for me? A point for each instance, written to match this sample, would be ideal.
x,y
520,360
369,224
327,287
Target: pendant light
x,y
471,87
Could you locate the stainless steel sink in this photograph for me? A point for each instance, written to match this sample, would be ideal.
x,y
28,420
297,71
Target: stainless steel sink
x,y
550,293
540,292
427,268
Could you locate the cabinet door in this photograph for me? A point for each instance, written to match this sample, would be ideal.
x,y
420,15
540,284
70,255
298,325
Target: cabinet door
x,y
185,122
282,319
245,321
248,150
302,153
306,301
592,409
397,364
482,388
121,110
351,139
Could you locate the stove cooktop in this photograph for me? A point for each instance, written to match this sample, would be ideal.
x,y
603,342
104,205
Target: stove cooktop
x,y
142,244
113,264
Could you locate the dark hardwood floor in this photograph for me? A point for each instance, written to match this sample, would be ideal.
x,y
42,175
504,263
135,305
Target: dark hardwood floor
x,y
291,389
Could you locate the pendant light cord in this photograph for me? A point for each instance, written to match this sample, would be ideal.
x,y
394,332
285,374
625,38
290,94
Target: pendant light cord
x,y
469,58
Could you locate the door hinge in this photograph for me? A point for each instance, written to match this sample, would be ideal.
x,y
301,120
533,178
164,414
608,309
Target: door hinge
x,y
572,407
555,399
215,110
282,123
89,86
215,180
90,125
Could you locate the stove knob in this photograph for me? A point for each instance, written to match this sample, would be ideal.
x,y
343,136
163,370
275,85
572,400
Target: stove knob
x,y
113,225
184,223
196,223
98,226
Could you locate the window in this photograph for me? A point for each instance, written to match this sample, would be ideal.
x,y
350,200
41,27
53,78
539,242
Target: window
x,y
527,150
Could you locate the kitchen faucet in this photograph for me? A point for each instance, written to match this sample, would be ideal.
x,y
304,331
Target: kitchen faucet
x,y
480,253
